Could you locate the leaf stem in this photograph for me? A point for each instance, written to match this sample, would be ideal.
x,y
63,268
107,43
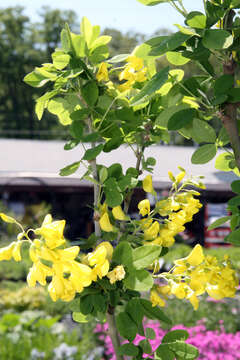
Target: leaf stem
x,y
112,330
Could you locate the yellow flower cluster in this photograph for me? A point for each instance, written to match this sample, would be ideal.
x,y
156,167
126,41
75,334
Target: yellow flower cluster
x,y
52,259
175,211
134,71
104,220
196,274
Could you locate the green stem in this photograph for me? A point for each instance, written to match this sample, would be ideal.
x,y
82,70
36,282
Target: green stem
x,y
112,330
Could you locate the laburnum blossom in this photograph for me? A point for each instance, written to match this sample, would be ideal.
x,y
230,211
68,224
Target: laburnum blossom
x,y
105,223
102,74
117,274
196,274
134,71
119,214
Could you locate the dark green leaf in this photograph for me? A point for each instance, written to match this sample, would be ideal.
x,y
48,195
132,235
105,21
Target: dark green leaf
x,y
112,192
112,144
126,326
128,349
122,254
202,132
175,335
181,119
76,129
217,39
80,114
219,222
153,85
234,95
86,304
235,201
164,353
184,351
150,333
154,312
170,43
70,169
135,311
234,237
90,93
91,154
145,345
115,171
235,185
223,84
204,154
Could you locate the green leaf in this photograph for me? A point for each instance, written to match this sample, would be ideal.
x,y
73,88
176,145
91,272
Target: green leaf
x,y
115,170
154,313
217,39
63,107
122,254
80,318
112,144
202,132
135,311
164,353
126,326
70,169
196,20
139,280
150,333
91,154
163,118
90,93
78,43
153,85
181,118
35,79
103,174
175,335
233,237
118,58
184,351
176,58
204,154
86,29
60,60
42,102
76,129
169,43
219,222
235,201
112,192
144,256
71,144
145,345
234,95
65,41
223,84
223,162
102,40
234,222
235,185
128,349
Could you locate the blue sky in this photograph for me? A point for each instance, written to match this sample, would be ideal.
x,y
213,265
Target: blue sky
x,y
124,15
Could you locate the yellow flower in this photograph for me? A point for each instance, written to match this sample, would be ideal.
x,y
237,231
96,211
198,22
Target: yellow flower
x,y
118,213
38,272
156,299
117,274
147,184
194,301
135,62
180,176
179,290
196,256
6,252
144,207
16,254
108,247
52,232
105,223
102,74
152,232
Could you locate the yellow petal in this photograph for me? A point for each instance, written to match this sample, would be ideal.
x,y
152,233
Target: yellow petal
x,y
147,184
108,247
105,223
118,213
196,256
16,254
6,252
144,207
